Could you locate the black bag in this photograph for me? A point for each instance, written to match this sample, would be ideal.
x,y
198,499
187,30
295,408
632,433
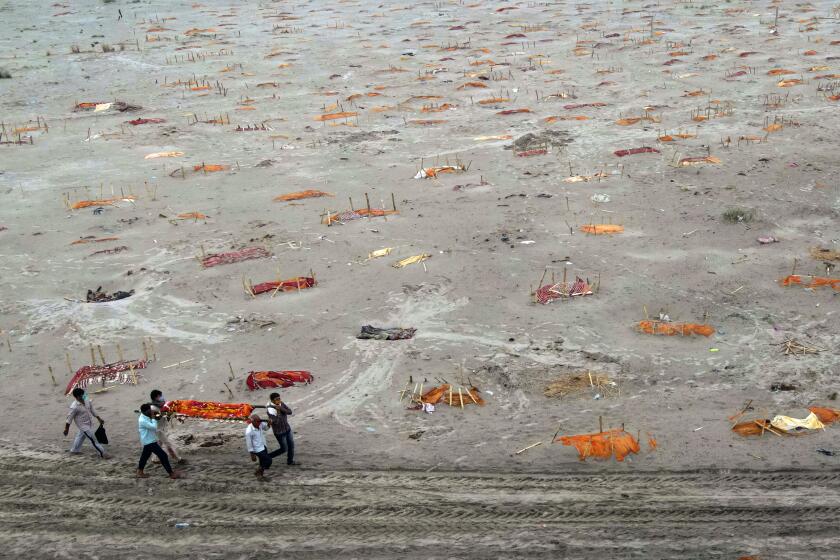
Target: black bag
x,y
100,435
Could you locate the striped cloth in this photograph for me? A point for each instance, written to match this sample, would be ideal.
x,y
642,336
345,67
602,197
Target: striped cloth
x,y
547,294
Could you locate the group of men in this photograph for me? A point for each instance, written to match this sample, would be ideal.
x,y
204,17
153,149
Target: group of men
x,y
153,425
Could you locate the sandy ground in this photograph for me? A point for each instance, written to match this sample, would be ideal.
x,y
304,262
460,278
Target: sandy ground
x,y
492,231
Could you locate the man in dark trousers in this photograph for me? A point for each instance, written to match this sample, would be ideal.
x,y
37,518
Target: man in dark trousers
x,y
147,424
83,413
278,413
255,442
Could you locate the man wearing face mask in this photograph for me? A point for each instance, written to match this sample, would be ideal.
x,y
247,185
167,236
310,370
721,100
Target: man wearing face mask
x,y
147,425
163,427
83,413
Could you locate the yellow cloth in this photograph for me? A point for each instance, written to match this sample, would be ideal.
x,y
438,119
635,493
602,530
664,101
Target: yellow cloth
x,y
786,423
412,260
380,253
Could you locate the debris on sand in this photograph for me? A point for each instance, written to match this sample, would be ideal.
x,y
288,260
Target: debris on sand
x,y
574,383
369,332
794,347
825,254
99,296
541,140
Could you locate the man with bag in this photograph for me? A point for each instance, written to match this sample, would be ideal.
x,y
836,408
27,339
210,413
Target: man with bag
x,y
82,414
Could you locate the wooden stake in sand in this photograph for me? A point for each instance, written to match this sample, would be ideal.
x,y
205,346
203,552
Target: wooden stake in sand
x,y
52,376
69,365
524,449
178,363
232,376
101,354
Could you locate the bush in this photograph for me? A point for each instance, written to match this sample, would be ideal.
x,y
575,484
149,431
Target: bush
x,y
107,48
5,74
739,215
75,49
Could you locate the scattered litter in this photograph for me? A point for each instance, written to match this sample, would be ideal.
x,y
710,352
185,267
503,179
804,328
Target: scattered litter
x,y
99,296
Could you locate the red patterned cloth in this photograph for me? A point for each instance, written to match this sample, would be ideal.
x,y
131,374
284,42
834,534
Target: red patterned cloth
x,y
271,379
117,372
633,151
248,253
290,285
547,294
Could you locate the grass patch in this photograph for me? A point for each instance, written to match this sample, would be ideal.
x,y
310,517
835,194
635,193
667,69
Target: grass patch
x,y
75,49
739,215
107,48
5,74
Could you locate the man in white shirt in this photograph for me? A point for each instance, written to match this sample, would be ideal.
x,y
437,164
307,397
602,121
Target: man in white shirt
x,y
163,427
255,441
83,413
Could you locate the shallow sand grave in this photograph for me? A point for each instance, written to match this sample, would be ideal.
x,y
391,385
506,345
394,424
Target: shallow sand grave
x,y
736,103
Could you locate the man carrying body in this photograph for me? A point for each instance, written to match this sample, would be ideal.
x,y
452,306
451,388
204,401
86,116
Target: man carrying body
x,y
278,413
83,413
163,425
255,441
147,424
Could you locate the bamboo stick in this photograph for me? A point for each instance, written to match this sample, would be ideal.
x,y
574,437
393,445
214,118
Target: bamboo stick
x,y
524,449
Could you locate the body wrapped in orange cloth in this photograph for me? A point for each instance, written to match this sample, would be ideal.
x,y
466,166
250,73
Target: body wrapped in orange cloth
x,y
209,410
672,329
603,445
